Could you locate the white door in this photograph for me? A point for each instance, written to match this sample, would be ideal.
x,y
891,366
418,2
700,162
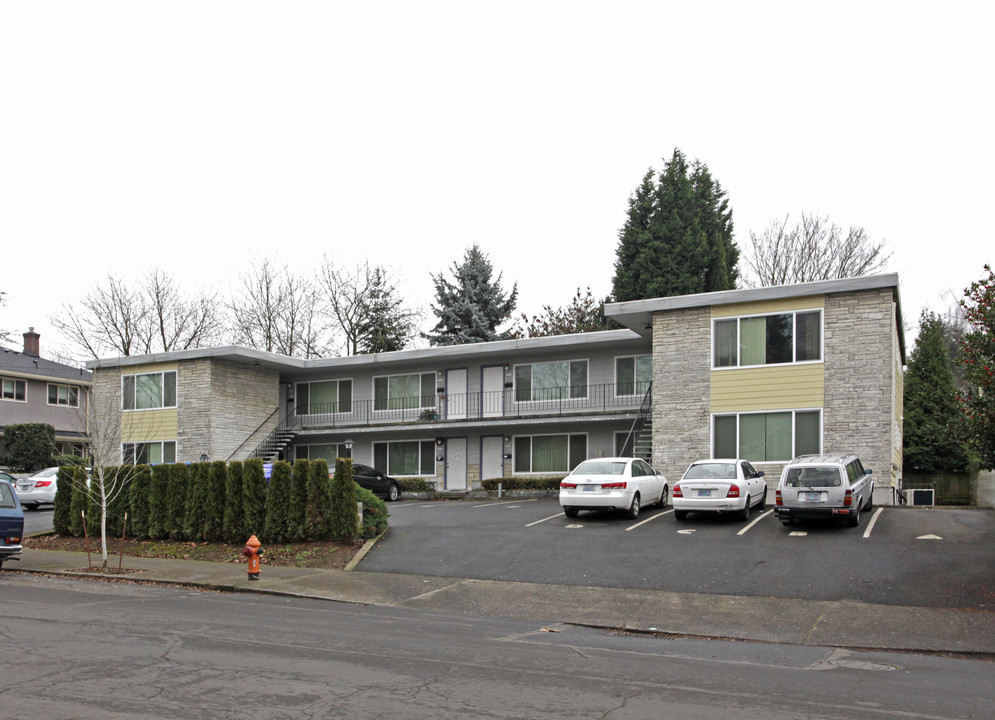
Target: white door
x,y
456,394
456,464
492,400
491,457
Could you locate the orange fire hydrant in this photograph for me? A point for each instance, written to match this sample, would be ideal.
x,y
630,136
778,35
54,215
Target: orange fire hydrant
x,y
252,551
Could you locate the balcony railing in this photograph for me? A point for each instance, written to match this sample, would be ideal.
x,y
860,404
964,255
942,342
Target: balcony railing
x,y
496,405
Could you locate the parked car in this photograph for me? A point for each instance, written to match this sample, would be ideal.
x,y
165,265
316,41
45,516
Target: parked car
x,y
38,489
613,484
723,486
824,486
11,522
376,482
8,477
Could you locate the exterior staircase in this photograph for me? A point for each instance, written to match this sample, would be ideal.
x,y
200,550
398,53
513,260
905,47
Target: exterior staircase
x,y
639,442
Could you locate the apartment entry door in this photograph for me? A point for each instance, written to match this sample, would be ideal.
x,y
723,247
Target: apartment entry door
x,y
456,394
491,457
456,463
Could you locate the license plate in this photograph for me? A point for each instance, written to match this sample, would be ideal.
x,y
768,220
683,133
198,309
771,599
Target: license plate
x,y
23,488
813,496
589,488
704,493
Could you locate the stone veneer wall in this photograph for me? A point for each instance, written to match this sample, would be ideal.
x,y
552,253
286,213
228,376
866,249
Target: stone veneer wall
x,y
681,389
220,404
860,340
104,420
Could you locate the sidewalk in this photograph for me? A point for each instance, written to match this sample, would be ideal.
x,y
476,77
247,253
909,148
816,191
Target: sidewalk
x,y
795,622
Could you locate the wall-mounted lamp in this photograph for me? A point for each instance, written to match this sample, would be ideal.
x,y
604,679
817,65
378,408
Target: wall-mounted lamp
x,y
507,438
203,457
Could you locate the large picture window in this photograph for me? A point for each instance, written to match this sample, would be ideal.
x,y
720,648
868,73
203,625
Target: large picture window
x,y
327,452
776,339
148,391
549,453
551,381
324,397
767,437
413,457
149,453
633,375
404,392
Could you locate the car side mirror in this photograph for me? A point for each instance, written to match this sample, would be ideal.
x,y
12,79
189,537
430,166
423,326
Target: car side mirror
x,y
867,471
760,473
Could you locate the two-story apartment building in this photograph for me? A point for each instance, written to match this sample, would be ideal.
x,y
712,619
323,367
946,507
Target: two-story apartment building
x,y
765,373
36,390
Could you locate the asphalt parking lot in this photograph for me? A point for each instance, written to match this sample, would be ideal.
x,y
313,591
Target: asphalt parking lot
x,y
938,557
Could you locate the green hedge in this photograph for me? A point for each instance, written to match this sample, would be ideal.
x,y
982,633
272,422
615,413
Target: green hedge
x,y
523,483
416,485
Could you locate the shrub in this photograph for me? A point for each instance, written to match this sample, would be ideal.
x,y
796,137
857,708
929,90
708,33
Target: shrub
x,y
523,483
117,481
278,503
79,502
234,524
159,520
297,510
196,508
374,513
345,520
63,497
416,485
138,494
29,446
254,496
214,515
318,513
179,481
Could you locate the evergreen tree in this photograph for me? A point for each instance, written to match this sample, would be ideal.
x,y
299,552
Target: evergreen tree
x,y
278,500
345,518
254,496
386,325
978,359
179,481
234,524
471,308
933,428
138,494
297,512
584,314
319,502
196,509
677,238
159,502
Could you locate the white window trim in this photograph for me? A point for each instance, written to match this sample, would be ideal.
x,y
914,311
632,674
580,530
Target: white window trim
x,y
338,394
68,387
14,380
419,375
587,386
568,435
160,443
793,411
160,373
793,313
635,383
388,443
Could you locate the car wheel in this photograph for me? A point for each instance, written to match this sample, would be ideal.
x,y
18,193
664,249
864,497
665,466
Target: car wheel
x,y
853,519
570,512
870,500
393,492
680,514
633,511
763,501
744,514
787,521
664,499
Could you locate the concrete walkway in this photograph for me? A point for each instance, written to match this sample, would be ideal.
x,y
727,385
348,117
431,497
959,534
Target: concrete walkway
x,y
798,622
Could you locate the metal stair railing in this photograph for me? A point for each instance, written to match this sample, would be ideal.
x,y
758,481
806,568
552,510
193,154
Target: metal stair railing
x,y
629,446
288,425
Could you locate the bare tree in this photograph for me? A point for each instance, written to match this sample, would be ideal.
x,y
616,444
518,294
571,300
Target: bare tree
x,y
277,311
814,249
4,334
150,316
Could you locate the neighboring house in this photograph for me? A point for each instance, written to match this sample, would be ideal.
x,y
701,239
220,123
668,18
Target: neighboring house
x,y
35,390
763,373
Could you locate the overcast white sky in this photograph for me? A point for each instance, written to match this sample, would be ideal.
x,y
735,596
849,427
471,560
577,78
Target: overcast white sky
x,y
199,136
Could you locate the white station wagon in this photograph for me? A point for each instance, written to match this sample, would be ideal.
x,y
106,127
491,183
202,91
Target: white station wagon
x,y
612,484
824,486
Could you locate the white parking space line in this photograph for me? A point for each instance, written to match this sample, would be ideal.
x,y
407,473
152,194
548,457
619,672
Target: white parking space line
x,y
874,519
544,519
649,519
743,531
509,502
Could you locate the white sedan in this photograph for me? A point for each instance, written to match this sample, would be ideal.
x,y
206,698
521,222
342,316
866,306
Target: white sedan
x,y
732,486
612,484
39,489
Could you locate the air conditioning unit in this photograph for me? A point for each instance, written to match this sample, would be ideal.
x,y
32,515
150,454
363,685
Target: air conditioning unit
x,y
921,496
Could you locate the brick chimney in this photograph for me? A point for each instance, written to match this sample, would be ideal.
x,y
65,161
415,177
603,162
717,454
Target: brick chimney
x,y
32,344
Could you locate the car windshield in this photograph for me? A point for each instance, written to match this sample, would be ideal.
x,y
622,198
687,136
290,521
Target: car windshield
x,y
711,471
6,496
813,477
600,467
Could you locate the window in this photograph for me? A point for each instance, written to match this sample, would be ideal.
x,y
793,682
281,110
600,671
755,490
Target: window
x,y
149,453
767,339
12,389
551,381
327,452
148,391
549,453
633,375
415,457
328,396
67,395
404,392
767,437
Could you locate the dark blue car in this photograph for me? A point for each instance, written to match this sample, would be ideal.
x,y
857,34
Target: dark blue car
x,y
11,522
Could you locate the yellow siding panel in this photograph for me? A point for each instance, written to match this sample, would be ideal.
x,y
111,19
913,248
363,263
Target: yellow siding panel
x,y
769,306
147,425
768,388
150,368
